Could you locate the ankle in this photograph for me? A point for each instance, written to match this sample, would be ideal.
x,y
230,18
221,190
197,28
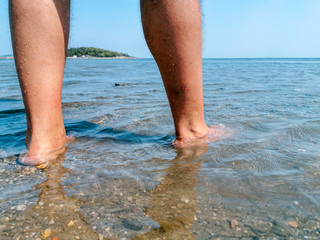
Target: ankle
x,y
192,132
45,139
211,134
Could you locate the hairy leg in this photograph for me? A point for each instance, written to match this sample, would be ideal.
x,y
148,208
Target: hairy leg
x,y
39,30
173,32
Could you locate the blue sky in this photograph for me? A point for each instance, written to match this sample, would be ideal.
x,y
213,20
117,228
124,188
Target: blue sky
x,y
232,28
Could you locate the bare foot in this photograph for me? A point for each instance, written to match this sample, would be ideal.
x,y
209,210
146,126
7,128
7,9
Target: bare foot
x,y
214,133
34,158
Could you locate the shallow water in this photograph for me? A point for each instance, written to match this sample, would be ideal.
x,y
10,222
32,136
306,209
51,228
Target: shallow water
x,y
121,179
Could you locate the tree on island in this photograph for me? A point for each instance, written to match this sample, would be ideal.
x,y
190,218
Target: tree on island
x,y
93,52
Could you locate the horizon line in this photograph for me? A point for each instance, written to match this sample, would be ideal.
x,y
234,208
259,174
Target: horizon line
x,y
11,56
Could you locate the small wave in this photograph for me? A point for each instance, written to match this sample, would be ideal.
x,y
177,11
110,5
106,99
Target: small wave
x,y
92,130
75,104
7,113
253,91
131,137
12,99
308,131
80,126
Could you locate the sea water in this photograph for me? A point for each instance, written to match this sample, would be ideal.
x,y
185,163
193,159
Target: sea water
x,y
122,179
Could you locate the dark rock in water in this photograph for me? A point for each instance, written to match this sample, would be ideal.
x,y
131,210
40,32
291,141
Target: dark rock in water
x,y
132,224
120,84
258,229
280,229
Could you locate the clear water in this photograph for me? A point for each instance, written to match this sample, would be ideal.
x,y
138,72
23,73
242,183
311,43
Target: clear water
x,y
121,178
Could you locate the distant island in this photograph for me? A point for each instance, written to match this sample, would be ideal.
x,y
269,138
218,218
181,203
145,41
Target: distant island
x,y
7,56
86,52
94,52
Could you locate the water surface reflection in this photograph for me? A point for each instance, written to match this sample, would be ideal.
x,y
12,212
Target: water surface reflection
x,y
62,211
172,203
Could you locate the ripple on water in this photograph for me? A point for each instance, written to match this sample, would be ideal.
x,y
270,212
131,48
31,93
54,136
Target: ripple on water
x,y
121,178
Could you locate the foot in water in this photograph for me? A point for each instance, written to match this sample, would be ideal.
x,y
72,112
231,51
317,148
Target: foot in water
x,y
34,159
214,133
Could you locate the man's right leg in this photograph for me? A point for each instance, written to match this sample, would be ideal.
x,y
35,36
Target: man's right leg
x,y
173,31
40,30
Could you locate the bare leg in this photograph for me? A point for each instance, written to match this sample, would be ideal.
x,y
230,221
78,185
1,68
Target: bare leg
x,y
40,30
173,31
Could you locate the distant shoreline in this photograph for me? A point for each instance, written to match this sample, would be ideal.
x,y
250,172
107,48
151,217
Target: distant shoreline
x,y
86,58
123,57
120,57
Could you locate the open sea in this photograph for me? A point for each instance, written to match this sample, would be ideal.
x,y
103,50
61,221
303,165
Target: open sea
x,y
122,179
